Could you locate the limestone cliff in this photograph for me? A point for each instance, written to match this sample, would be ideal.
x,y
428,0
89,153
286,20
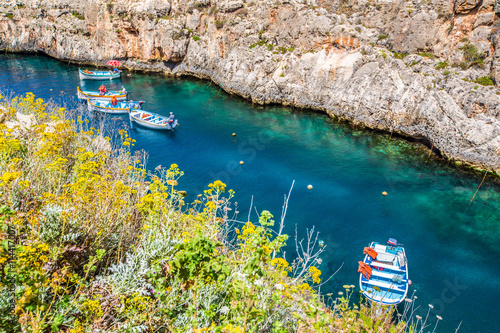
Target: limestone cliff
x,y
418,68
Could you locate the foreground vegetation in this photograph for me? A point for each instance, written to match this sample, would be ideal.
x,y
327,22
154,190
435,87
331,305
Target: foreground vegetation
x,y
92,242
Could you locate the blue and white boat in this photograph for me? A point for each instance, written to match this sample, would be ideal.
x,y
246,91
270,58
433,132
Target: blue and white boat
x,y
83,95
384,273
98,75
121,107
152,120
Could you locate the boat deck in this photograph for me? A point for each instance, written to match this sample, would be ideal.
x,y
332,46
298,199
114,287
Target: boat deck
x,y
382,265
388,282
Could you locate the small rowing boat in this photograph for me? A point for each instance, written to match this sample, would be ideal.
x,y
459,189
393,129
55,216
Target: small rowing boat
x,y
98,75
152,120
107,107
95,95
383,275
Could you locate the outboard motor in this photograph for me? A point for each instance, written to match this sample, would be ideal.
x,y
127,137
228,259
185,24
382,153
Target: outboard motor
x,y
392,242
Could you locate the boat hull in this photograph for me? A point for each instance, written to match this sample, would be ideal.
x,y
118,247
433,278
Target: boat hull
x,y
94,95
120,108
388,284
151,120
98,75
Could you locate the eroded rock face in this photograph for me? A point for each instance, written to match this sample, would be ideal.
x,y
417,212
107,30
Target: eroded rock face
x,y
337,56
465,6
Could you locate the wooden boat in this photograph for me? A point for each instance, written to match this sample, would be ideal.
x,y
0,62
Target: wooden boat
x,y
151,120
120,108
98,75
94,95
383,275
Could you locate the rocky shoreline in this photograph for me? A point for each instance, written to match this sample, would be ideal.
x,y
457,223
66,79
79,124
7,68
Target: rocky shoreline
x,y
424,70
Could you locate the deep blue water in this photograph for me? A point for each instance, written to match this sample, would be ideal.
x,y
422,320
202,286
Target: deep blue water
x,y
452,247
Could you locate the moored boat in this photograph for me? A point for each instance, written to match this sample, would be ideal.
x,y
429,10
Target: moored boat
x,y
384,273
107,107
98,75
95,95
152,120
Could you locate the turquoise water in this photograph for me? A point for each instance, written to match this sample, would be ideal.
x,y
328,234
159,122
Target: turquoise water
x,y
452,247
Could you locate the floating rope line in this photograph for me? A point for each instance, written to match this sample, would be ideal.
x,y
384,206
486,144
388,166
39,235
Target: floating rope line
x,y
477,189
215,94
219,89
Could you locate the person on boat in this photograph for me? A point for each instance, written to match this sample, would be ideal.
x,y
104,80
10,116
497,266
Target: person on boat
x,y
171,119
102,90
114,101
124,91
115,70
86,71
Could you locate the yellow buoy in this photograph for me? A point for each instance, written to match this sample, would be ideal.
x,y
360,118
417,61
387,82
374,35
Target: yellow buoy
x,y
234,134
241,162
384,193
310,187
50,89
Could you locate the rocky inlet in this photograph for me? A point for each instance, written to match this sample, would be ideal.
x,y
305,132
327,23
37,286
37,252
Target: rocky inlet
x,y
422,69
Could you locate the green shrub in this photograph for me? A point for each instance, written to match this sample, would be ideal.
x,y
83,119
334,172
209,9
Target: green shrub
x,y
472,56
382,37
485,80
10,15
441,65
283,50
446,72
78,15
196,38
427,55
400,55
219,24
